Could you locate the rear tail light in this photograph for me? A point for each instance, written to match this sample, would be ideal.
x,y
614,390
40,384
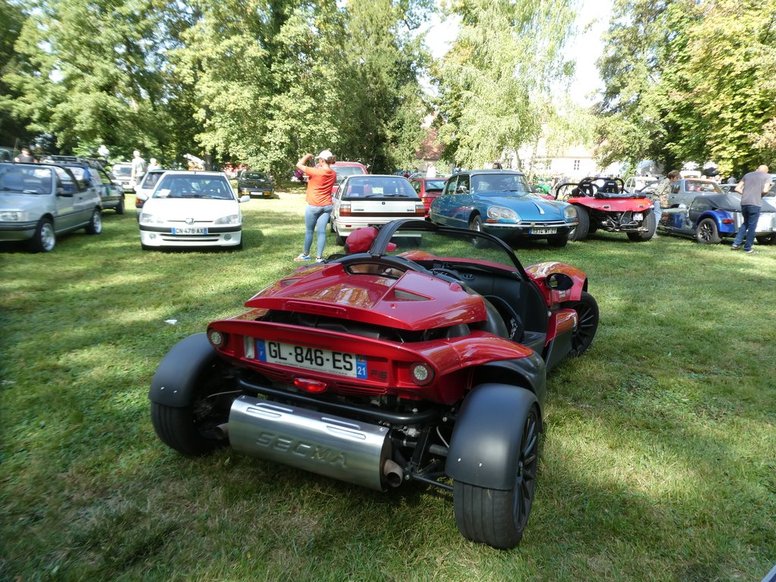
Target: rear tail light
x,y
311,386
344,209
421,373
216,338
727,221
420,209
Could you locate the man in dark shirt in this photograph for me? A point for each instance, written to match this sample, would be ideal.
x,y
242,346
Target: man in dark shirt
x,y
751,187
25,156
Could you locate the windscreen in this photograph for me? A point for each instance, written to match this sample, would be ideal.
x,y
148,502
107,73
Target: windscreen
x,y
367,186
194,186
25,179
701,186
433,248
498,184
122,170
345,171
253,176
434,185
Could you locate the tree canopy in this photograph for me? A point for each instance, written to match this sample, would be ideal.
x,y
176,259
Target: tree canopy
x,y
495,84
255,81
690,81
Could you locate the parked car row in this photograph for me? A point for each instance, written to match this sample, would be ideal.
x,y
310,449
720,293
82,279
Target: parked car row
x,y
92,174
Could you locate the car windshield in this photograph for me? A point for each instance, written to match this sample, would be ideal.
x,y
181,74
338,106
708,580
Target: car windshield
x,y
25,179
432,185
345,171
368,186
197,186
499,183
435,247
701,186
253,176
124,170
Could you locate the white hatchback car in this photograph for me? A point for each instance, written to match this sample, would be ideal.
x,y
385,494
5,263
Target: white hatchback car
x,y
191,209
373,200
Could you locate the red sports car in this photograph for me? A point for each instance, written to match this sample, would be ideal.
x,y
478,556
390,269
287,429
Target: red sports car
x,y
421,355
604,204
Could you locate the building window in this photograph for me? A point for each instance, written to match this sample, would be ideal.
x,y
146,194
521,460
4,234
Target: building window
x,y
576,164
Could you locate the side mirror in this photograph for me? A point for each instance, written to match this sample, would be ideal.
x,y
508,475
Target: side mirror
x,y
142,197
244,199
559,282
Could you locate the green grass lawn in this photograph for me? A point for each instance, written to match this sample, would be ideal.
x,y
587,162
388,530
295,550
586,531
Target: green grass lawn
x,y
659,458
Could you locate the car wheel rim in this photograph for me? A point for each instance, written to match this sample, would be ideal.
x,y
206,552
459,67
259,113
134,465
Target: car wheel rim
x,y
47,238
704,232
585,327
97,221
525,480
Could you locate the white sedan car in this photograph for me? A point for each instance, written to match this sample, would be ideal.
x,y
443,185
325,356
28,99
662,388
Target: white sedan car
x,y
373,200
191,209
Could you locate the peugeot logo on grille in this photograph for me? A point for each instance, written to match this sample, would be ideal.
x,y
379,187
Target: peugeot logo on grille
x,y
189,221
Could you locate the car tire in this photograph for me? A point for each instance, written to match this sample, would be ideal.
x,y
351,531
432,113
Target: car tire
x,y
580,231
475,224
587,323
498,517
95,222
651,225
45,238
193,430
707,232
558,241
120,206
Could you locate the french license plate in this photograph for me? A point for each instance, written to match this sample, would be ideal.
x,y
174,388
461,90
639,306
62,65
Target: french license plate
x,y
638,216
544,231
189,230
340,363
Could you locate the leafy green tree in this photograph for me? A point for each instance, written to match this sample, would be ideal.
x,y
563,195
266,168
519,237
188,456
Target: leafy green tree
x,y
12,128
275,79
382,102
92,72
496,81
690,81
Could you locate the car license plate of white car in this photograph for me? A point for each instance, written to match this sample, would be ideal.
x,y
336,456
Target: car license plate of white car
x,y
189,230
544,230
340,363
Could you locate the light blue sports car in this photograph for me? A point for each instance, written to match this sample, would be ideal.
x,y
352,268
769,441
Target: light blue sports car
x,y
501,203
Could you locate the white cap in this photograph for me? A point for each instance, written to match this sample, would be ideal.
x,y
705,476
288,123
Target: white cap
x,y
325,155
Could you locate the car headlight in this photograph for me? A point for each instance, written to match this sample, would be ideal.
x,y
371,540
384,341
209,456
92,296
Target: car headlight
x,y
149,219
11,215
570,213
502,213
231,219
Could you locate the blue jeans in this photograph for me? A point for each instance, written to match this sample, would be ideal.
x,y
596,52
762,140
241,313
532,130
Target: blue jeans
x,y
657,210
751,214
316,218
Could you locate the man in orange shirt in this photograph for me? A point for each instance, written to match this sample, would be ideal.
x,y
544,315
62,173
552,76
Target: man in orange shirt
x,y
321,180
